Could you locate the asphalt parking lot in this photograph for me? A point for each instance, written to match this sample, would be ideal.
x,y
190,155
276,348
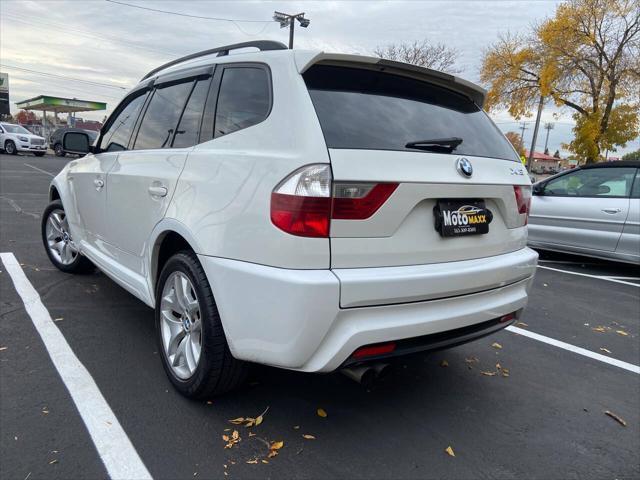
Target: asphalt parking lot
x,y
539,414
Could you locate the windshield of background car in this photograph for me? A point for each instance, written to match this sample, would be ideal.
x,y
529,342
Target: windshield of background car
x,y
365,109
15,129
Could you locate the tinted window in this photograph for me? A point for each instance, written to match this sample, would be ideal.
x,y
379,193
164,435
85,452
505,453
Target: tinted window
x,y
243,100
379,111
635,191
161,117
117,137
189,129
593,182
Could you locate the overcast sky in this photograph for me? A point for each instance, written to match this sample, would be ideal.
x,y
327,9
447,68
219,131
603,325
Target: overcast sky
x,y
103,42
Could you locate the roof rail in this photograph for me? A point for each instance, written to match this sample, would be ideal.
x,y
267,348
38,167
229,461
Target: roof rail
x,y
221,51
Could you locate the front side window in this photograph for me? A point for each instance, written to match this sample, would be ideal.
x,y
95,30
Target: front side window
x,y
592,182
244,99
162,115
189,128
365,109
117,136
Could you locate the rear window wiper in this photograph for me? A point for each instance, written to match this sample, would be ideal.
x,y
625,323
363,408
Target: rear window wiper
x,y
436,144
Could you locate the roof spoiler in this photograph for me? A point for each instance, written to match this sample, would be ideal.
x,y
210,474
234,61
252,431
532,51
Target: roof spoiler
x,y
305,59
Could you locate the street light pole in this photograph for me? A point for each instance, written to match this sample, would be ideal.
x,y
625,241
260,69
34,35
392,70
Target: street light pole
x,y
288,20
535,134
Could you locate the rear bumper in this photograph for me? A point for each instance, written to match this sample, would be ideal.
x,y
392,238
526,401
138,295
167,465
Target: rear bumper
x,y
293,319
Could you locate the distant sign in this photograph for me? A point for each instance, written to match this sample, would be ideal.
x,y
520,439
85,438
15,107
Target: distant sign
x,y
4,94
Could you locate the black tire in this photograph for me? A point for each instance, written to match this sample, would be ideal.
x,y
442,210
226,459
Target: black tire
x,y
10,148
80,264
58,150
217,371
39,154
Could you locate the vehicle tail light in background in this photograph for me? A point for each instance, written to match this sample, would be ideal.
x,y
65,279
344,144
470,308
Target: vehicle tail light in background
x,y
301,203
374,350
358,201
523,200
304,203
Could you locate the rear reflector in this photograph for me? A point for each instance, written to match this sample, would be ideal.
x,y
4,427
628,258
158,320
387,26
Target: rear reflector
x,y
507,318
374,350
362,208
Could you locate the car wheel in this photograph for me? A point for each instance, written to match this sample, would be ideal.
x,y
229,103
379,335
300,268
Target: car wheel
x,y
10,148
39,154
195,353
58,150
58,243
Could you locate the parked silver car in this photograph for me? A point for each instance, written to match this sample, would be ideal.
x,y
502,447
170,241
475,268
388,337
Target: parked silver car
x,y
593,210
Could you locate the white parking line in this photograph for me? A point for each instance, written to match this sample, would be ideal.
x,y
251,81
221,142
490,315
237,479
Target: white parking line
x,y
114,447
601,277
39,169
572,348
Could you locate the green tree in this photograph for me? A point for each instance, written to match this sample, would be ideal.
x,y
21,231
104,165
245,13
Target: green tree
x,y
632,155
587,59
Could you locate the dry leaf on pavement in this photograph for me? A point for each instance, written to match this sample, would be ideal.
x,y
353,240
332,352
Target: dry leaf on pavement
x,y
605,350
622,332
321,413
273,449
616,418
496,345
488,374
444,363
599,329
449,450
308,437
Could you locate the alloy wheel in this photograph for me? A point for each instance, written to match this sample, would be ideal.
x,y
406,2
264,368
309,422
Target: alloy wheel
x,y
181,325
59,238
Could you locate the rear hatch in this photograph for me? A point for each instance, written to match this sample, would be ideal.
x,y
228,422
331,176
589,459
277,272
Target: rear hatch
x,y
461,163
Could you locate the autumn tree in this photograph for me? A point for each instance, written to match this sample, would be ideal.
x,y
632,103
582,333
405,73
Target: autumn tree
x,y
516,141
26,117
586,59
436,56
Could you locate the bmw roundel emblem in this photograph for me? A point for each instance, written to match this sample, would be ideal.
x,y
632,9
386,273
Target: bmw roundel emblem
x,y
464,167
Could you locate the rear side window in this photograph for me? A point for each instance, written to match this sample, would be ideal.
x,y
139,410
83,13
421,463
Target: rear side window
x,y
592,182
162,115
117,136
363,109
244,99
189,128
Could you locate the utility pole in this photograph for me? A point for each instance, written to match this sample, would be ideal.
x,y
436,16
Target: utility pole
x,y
288,20
523,127
535,134
548,127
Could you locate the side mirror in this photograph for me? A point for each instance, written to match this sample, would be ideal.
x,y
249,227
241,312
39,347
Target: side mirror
x,y
76,142
538,189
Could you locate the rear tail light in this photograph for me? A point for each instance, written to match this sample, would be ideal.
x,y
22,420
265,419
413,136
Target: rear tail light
x,y
509,317
523,200
304,203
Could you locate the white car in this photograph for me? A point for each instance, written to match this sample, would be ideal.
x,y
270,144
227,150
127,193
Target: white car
x,y
16,138
300,209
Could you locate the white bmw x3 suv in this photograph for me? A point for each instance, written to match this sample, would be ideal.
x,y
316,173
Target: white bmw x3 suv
x,y
300,209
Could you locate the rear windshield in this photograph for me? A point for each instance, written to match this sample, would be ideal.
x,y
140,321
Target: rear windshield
x,y
363,109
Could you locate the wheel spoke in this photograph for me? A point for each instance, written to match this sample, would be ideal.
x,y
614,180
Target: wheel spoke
x,y
179,285
192,362
55,224
179,357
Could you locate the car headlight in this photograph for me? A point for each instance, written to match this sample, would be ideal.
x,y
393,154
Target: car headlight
x,y
23,139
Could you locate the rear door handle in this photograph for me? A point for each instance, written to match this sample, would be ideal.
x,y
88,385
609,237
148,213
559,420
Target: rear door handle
x,y
612,211
158,191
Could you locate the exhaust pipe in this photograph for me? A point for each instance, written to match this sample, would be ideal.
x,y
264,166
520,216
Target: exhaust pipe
x,y
365,375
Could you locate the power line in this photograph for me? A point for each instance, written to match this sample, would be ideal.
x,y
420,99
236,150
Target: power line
x,y
54,75
82,33
66,88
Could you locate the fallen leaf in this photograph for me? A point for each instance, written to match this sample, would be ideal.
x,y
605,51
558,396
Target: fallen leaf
x,y
449,451
237,421
296,427
496,345
3,348
265,461
209,402
622,332
259,420
616,418
605,350
444,363
498,366
488,374
505,372
545,284
53,461
225,438
253,462
235,435
59,319
522,324
599,329
308,437
251,434
321,413
276,445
